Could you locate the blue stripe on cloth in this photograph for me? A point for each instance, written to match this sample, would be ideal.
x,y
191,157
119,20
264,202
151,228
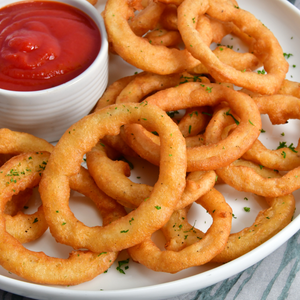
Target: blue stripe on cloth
x,y
232,288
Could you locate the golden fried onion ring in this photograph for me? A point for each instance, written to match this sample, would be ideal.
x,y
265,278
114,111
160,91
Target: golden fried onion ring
x,y
266,46
147,18
111,178
19,142
138,51
209,156
13,142
279,108
145,83
267,223
65,161
213,242
245,176
37,267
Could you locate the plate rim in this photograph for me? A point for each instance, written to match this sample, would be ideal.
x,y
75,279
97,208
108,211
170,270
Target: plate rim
x,y
167,289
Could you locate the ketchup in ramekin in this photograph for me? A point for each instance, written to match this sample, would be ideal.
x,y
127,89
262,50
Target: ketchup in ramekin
x,y
44,44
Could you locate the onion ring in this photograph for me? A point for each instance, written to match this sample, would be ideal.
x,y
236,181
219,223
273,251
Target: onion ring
x,y
26,228
234,175
146,83
13,142
211,156
271,53
267,223
150,147
134,89
36,266
161,36
112,179
279,108
65,161
147,18
82,182
243,62
138,51
291,88
283,159
213,242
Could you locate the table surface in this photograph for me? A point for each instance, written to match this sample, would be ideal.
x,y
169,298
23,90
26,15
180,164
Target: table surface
x,y
275,277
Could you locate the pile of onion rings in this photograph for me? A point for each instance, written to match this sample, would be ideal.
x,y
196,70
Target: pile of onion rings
x,y
197,24
196,118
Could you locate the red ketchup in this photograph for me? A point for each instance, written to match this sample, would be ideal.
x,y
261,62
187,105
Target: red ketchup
x,y
44,44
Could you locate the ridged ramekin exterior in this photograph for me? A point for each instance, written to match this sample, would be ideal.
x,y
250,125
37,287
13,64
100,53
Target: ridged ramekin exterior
x,y
49,113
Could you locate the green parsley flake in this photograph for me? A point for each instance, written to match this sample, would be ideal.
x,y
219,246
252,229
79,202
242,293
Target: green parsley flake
x,y
261,72
194,78
287,55
284,145
172,114
227,113
122,263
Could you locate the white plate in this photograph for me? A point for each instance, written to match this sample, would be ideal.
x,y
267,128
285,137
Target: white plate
x,y
138,282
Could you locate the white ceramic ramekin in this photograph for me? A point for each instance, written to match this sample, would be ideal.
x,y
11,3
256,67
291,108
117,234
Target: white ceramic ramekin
x,y
49,113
